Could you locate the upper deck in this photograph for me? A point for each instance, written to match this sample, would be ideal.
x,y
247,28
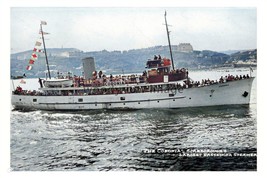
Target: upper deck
x,y
158,71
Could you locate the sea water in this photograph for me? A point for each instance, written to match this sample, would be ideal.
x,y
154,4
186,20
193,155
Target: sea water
x,y
188,139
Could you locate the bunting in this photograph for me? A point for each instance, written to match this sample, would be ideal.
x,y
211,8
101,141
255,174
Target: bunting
x,y
22,81
43,23
31,61
34,55
38,43
29,67
36,49
44,33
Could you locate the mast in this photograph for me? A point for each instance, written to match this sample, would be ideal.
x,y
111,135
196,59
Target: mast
x,y
47,65
168,32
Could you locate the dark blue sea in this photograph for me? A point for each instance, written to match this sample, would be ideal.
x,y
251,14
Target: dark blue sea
x,y
192,139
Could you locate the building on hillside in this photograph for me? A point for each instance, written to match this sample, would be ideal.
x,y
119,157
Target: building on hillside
x,y
185,47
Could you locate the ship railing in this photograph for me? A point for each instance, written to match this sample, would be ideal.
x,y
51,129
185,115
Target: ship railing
x,y
138,89
107,82
28,92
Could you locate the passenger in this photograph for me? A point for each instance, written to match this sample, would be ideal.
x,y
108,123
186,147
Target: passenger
x,y
202,82
208,81
41,83
247,76
236,77
221,79
155,57
230,77
159,57
244,77
18,90
240,77
100,73
144,73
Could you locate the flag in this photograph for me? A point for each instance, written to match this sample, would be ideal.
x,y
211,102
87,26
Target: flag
x,y
43,23
22,81
44,33
31,61
34,55
38,43
29,67
37,50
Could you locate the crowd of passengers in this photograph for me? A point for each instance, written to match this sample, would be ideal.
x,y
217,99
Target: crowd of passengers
x,y
132,89
227,78
103,80
99,79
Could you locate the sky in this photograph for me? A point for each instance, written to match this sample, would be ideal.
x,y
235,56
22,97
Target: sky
x,y
110,28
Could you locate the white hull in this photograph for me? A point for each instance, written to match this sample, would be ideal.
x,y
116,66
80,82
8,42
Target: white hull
x,y
230,93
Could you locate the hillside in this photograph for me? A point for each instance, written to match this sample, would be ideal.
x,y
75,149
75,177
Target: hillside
x,y
244,55
69,59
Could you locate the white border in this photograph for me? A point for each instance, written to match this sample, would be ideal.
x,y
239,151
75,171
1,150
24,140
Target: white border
x,y
5,82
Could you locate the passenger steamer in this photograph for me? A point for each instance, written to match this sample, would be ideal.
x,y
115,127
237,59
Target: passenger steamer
x,y
160,86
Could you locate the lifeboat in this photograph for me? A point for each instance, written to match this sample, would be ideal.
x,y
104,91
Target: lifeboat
x,y
51,83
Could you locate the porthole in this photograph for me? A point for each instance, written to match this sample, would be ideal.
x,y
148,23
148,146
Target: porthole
x,y
80,100
34,100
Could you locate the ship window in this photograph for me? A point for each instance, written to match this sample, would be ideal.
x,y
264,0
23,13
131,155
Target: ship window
x,y
122,98
138,102
19,99
80,100
110,104
34,100
158,101
123,103
173,100
95,104
171,94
